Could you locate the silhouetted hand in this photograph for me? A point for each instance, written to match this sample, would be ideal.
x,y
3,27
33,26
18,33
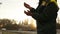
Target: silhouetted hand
x,y
27,6
28,13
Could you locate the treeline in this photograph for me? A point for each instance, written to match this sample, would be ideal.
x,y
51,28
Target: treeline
x,y
9,24
12,25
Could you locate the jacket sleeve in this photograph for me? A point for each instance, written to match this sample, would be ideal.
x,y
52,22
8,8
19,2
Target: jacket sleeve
x,y
49,13
38,9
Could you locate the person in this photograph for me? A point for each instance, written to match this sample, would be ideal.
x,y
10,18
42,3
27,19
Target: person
x,y
45,15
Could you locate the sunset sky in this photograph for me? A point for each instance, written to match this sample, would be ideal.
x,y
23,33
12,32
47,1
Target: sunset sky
x,y
14,9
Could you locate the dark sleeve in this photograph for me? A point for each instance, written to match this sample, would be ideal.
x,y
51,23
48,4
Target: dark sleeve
x,y
38,9
49,13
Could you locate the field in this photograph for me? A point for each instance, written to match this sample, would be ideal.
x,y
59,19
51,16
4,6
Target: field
x,y
18,32
22,32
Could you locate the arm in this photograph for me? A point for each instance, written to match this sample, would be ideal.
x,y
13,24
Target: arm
x,y
38,9
49,13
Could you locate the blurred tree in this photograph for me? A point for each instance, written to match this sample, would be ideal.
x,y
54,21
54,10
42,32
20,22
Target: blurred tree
x,y
8,24
4,22
12,27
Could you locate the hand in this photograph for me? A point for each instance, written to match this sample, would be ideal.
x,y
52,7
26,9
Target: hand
x,y
27,6
28,13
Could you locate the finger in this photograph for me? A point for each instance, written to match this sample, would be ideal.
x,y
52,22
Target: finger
x,y
24,11
25,4
28,10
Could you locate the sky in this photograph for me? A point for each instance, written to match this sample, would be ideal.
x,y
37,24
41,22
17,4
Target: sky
x,y
14,9
58,1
